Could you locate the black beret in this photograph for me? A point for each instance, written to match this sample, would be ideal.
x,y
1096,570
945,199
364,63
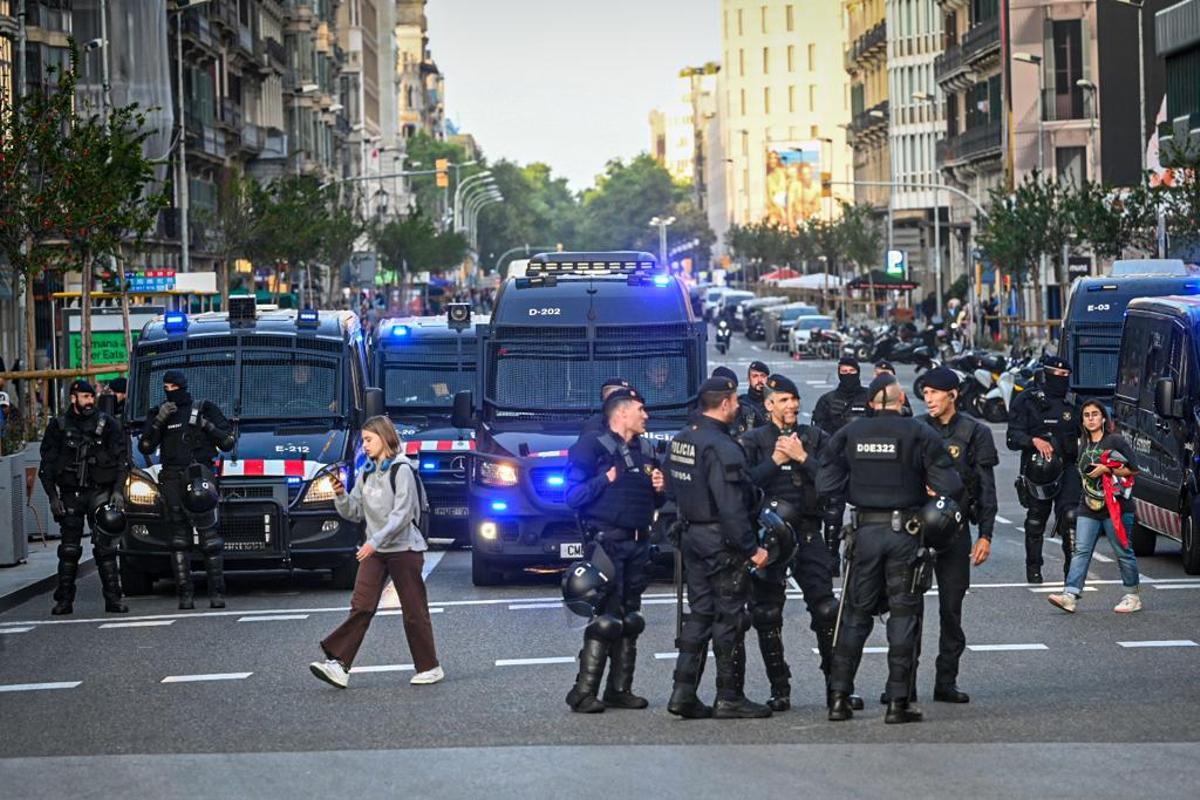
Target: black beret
x,y
1055,361
80,386
758,366
725,372
887,365
880,383
718,384
782,383
119,385
176,377
942,378
624,384
848,361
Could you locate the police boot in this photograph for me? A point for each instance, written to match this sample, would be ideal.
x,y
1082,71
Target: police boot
x,y
582,697
110,586
770,644
64,593
1033,574
731,678
623,658
901,711
825,648
839,707
684,702
884,699
214,567
181,568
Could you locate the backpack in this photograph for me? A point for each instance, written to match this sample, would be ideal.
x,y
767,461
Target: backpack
x,y
423,513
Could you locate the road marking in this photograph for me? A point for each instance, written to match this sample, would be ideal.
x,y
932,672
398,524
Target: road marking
x,y
396,612
382,668
1161,643
1170,586
1002,519
525,606
524,662
272,617
1053,589
150,623
212,676
815,383
432,559
1004,648
1102,558
25,629
865,650
35,687
671,656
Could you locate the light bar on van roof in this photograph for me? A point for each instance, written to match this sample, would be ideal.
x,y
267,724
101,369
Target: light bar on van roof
x,y
589,267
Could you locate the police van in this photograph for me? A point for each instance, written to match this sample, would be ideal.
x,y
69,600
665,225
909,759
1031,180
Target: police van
x,y
293,383
421,363
1096,310
555,334
1156,405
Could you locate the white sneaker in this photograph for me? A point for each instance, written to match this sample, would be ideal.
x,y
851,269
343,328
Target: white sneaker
x,y
1066,601
1129,603
427,677
331,671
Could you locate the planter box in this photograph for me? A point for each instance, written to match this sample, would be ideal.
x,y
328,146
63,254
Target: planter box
x,y
13,547
38,520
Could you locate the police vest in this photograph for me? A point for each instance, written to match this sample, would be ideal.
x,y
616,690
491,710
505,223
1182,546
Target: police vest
x,y
957,439
687,468
84,460
886,467
183,440
843,407
791,482
627,502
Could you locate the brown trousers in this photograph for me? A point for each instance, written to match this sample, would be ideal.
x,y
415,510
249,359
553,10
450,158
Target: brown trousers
x,y
405,569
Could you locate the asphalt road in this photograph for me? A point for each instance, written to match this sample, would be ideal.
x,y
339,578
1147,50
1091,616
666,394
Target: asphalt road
x,y
175,703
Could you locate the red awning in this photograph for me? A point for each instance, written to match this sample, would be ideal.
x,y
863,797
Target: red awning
x,y
781,274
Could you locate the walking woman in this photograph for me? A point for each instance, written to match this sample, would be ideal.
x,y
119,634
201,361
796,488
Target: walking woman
x,y
1107,466
386,497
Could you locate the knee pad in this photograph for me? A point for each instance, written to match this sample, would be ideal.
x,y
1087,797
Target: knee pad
x,y
211,543
606,627
767,616
824,613
71,525
103,546
633,624
740,620
181,538
70,552
204,521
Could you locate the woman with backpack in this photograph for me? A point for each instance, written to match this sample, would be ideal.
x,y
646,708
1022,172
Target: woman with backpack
x,y
388,498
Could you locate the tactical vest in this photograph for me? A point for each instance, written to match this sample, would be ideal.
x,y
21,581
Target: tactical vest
x,y
957,439
886,470
687,474
843,408
183,441
84,461
627,502
792,482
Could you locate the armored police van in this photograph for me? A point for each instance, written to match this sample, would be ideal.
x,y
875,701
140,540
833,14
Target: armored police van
x,y
293,383
556,333
421,363
1157,406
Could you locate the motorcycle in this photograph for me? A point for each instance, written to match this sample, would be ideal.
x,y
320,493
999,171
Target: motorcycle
x,y
1021,373
724,333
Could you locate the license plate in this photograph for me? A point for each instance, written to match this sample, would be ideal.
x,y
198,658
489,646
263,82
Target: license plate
x,y
451,511
571,550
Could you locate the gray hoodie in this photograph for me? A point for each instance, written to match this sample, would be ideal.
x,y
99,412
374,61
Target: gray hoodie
x,y
391,517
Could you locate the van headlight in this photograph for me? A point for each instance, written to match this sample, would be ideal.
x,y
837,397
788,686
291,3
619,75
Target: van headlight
x,y
320,490
141,491
497,473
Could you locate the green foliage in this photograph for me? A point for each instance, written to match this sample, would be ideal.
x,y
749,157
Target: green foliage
x,y
852,238
424,150
413,244
538,209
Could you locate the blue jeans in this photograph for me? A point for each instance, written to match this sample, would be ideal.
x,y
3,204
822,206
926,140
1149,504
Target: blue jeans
x,y
1087,533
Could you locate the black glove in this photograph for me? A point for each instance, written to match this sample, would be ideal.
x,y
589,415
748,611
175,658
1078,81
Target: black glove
x,y
58,508
117,501
165,411
207,426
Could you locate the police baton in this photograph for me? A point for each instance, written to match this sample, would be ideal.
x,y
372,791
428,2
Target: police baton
x,y
848,535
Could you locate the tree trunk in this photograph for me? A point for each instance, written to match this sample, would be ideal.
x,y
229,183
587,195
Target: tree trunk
x,y
1038,305
223,276
126,325
31,410
85,312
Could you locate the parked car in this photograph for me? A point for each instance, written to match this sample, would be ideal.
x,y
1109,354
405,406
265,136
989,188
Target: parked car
x,y
802,330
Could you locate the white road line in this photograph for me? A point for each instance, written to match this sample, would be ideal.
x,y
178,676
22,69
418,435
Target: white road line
x,y
383,668
150,623
1161,643
1167,586
33,687
1103,559
671,656
876,650
25,629
1002,519
1053,589
396,612
815,383
1004,648
212,676
524,662
526,606
272,617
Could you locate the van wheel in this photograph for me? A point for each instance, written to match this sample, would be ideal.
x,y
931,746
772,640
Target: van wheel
x,y
135,581
1191,545
344,575
1143,541
481,573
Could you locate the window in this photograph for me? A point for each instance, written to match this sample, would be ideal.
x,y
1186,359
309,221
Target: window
x,y
1133,348
790,13
952,115
1070,164
743,102
762,12
950,29
766,99
812,58
812,98
984,10
791,58
1068,68
814,132
739,21
766,60
1154,357
741,62
791,99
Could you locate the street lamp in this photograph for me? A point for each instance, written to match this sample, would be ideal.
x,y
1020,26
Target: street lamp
x,y
1141,13
458,194
469,194
662,223
1036,61
1094,91
180,6
931,99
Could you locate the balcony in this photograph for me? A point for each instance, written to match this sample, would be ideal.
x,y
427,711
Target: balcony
x,y
224,15
204,140
972,145
197,30
981,41
231,114
873,118
866,44
276,52
950,70
253,138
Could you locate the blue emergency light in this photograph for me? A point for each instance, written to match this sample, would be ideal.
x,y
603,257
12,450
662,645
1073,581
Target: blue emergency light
x,y
401,330
555,480
499,505
175,321
428,465
307,318
662,280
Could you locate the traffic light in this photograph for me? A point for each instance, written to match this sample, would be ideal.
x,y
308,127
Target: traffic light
x,y
443,175
826,184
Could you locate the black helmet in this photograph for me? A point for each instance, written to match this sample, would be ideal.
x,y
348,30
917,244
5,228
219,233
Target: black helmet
x,y
584,588
941,520
775,532
1043,476
110,520
201,495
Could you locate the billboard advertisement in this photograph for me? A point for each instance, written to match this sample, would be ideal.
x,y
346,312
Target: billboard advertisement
x,y
793,182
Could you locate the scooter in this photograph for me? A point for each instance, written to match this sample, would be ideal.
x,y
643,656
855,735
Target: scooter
x,y
724,333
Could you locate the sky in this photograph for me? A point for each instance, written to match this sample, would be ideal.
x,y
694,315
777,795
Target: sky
x,y
567,82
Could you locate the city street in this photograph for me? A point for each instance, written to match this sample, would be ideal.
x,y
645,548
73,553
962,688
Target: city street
x,y
222,702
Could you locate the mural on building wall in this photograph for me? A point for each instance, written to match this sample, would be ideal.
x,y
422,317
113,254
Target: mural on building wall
x,y
793,183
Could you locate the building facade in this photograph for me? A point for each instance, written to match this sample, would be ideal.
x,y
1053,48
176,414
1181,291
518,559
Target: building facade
x,y
1177,30
420,87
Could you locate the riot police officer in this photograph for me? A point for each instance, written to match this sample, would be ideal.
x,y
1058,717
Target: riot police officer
x,y
884,367
837,407
783,458
615,485
707,477
84,465
188,433
885,465
973,452
1042,421
596,423
754,400
119,388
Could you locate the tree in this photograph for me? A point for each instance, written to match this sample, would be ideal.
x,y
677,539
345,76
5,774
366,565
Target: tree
x,y
538,209
293,211
413,244
342,229
424,150
231,230
859,235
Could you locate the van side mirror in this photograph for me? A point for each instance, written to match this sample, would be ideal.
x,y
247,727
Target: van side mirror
x,y
463,415
1164,398
373,404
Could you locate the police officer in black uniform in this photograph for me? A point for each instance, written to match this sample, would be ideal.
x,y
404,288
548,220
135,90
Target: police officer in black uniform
x,y
615,485
783,457
882,367
885,465
120,389
84,465
188,433
753,402
596,423
1041,420
973,451
707,478
849,400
